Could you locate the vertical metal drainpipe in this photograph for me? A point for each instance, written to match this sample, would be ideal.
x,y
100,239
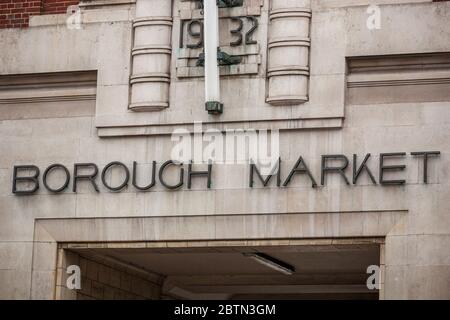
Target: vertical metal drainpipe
x,y
211,44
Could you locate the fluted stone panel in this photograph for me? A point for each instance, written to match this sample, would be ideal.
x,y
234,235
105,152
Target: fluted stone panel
x,y
288,46
150,80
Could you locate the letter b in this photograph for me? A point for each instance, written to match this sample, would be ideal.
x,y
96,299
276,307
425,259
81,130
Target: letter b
x,y
33,179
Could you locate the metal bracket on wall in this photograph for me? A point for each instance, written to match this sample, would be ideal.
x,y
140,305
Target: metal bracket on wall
x,y
214,107
226,59
225,3
223,58
230,3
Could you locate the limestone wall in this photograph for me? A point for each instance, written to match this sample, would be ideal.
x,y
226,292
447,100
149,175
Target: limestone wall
x,y
413,217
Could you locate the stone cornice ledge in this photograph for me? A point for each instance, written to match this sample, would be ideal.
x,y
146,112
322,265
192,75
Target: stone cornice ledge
x,y
167,129
101,3
93,11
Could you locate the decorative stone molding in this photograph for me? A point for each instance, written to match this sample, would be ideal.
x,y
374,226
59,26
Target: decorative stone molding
x,y
288,52
94,4
398,78
48,95
278,124
154,233
151,53
48,87
244,32
239,36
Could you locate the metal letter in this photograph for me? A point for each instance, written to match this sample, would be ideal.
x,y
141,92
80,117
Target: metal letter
x,y
339,170
425,155
199,173
357,172
51,168
384,168
265,181
125,182
161,171
33,179
89,177
152,183
300,167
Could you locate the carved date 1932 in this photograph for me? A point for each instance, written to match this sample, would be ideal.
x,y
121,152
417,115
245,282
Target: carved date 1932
x,y
242,32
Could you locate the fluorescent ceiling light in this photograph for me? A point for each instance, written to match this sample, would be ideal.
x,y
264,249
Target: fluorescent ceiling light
x,y
271,262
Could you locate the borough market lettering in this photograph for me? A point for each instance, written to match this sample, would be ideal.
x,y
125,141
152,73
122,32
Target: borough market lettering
x,y
27,178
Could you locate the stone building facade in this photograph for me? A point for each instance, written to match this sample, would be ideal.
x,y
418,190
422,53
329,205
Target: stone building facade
x,y
355,94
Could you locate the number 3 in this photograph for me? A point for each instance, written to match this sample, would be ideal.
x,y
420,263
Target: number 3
x,y
238,32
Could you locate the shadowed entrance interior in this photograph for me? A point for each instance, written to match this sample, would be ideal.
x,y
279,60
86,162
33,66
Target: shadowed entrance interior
x,y
177,271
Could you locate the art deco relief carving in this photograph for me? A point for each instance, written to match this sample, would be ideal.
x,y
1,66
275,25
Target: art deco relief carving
x,y
241,35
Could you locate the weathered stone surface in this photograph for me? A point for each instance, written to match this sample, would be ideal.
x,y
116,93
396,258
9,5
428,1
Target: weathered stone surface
x,y
413,218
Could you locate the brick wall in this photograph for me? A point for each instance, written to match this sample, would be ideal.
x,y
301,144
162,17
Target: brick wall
x,y
102,280
16,13
57,6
